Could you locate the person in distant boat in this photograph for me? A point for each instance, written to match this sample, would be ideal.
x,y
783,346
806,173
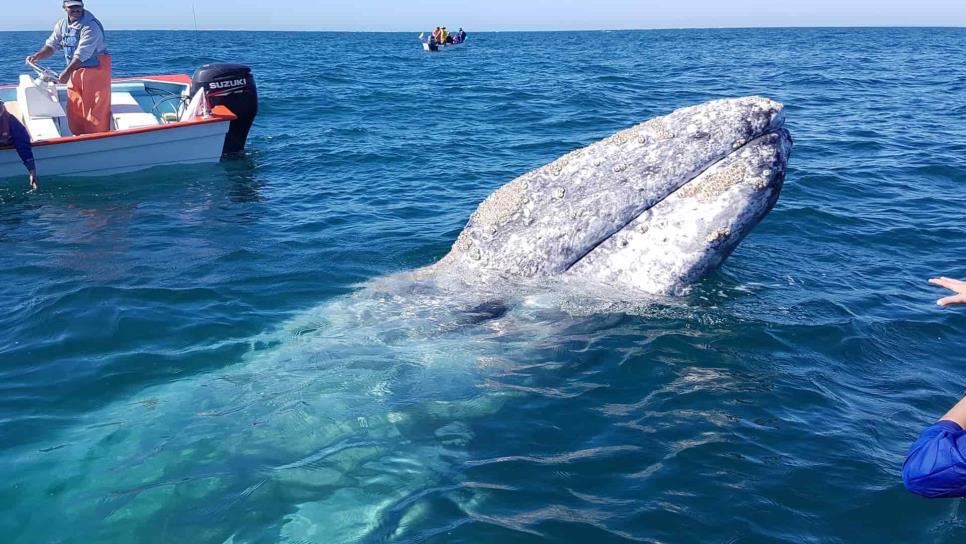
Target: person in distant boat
x,y
13,133
460,36
88,74
435,36
443,36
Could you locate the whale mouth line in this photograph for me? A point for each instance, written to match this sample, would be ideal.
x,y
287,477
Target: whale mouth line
x,y
776,127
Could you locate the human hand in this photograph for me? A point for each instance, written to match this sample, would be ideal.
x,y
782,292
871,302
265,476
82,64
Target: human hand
x,y
32,59
64,77
957,286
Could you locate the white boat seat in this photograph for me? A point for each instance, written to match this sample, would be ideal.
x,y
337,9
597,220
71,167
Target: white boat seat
x,y
36,101
44,118
128,113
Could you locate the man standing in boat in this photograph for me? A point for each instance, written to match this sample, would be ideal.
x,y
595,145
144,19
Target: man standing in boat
x,y
88,74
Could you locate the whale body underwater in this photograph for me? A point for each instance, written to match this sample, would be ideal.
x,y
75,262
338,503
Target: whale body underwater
x,y
344,424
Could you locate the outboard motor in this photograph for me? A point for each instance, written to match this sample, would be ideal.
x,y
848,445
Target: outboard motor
x,y
232,86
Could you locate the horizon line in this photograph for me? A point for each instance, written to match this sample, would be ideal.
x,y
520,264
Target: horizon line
x,y
491,31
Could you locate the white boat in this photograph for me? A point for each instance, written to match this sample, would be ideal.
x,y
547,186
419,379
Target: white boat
x,y
440,48
156,121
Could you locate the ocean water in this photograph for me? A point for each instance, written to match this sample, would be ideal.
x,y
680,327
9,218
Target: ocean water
x,y
186,355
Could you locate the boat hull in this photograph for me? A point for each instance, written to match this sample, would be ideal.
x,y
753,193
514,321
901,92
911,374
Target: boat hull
x,y
442,48
122,152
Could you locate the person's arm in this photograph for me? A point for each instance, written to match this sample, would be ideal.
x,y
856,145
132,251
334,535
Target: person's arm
x,y
21,141
90,41
75,63
52,44
42,54
936,465
957,286
957,414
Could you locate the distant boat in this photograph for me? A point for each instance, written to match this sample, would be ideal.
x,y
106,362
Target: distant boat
x,y
156,120
438,48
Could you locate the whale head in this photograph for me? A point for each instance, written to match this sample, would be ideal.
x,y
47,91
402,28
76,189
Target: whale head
x,y
649,210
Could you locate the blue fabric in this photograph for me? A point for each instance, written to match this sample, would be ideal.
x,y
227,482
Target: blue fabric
x,y
21,141
71,40
936,463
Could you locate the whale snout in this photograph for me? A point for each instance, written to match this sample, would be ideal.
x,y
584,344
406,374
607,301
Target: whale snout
x,y
687,187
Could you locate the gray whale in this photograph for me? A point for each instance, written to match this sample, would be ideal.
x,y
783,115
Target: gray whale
x,y
337,426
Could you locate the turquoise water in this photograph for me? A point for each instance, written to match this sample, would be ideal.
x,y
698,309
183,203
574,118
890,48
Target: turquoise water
x,y
186,355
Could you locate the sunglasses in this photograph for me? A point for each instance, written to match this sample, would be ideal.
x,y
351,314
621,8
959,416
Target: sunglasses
x,y
74,8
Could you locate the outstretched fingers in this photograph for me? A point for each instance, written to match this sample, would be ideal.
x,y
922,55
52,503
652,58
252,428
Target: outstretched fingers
x,y
949,283
955,299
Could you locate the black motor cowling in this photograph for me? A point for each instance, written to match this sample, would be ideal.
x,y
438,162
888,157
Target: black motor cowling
x,y
232,86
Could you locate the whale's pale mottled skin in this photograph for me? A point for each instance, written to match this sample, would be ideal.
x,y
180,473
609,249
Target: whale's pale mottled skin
x,y
652,208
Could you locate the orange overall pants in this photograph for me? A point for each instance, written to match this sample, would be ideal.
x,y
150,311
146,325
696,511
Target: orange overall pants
x,y
89,98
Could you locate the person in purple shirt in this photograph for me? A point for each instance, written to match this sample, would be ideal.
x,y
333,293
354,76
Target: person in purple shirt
x,y
936,464
13,133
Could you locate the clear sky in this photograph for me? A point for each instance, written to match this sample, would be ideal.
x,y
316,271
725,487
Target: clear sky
x,y
480,15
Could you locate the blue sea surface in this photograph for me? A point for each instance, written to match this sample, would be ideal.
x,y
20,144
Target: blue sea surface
x,y
184,356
